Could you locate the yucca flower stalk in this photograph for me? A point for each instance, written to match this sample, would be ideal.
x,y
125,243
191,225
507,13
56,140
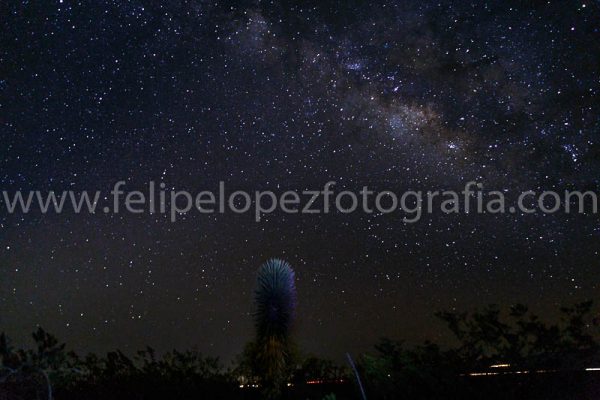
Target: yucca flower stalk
x,y
275,299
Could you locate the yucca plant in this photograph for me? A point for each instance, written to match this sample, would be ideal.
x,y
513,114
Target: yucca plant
x,y
275,299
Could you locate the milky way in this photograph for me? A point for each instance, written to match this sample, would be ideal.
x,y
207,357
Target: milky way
x,y
399,95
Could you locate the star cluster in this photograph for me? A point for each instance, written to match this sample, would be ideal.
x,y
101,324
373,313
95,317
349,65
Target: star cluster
x,y
417,95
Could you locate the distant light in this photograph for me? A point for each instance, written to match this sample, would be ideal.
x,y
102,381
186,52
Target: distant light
x,y
500,366
538,371
483,373
593,369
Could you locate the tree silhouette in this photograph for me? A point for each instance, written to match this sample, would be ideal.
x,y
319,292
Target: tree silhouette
x,y
520,338
37,369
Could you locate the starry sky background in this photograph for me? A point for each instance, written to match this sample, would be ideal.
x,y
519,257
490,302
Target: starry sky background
x,y
273,95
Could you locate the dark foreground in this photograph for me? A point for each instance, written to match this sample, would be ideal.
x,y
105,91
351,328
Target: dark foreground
x,y
545,386
508,354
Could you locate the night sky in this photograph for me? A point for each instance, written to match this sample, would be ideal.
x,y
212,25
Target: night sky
x,y
397,95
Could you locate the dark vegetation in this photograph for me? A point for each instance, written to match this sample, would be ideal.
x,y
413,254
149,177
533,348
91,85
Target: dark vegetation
x,y
498,355
537,360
